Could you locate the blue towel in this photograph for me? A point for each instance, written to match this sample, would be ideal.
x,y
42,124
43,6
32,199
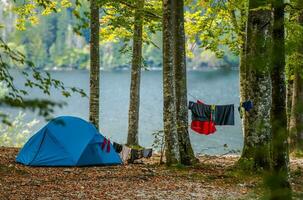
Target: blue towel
x,y
247,105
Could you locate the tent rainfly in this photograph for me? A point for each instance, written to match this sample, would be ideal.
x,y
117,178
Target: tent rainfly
x,y
68,141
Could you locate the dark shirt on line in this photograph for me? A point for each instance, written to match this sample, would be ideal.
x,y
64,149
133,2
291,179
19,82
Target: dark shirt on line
x,y
224,114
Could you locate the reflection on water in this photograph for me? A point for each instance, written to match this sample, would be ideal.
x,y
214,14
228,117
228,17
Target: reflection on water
x,y
213,87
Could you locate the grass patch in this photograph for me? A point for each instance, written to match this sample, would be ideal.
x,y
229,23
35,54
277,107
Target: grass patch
x,y
178,167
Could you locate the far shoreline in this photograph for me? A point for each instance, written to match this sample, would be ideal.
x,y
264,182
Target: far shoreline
x,y
153,69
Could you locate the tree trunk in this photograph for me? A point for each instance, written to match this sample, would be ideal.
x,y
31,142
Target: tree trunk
x,y
187,156
244,83
169,108
300,92
289,99
134,104
299,121
94,64
296,119
281,187
294,114
258,85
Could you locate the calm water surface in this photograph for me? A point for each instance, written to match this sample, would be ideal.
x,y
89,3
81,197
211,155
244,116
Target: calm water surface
x,y
213,87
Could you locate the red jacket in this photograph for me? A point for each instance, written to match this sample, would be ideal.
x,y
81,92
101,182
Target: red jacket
x,y
203,127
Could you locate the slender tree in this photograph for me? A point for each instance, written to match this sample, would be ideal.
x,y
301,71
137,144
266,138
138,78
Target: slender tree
x,y
289,101
169,108
280,188
243,75
187,156
300,89
296,118
258,85
134,104
94,63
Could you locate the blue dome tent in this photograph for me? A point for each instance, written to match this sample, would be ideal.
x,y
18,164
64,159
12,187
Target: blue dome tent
x,y
68,141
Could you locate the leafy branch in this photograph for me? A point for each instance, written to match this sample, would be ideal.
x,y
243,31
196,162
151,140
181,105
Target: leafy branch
x,y
19,98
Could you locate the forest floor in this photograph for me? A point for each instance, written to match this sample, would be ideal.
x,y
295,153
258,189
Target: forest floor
x,y
214,178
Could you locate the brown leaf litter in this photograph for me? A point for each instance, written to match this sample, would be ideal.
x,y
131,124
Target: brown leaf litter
x,y
213,178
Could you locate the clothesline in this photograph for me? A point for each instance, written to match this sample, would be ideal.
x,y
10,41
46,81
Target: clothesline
x,y
193,96
206,117
247,104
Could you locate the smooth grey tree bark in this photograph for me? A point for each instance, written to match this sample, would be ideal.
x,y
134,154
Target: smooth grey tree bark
x,y
134,104
94,64
243,78
187,156
169,107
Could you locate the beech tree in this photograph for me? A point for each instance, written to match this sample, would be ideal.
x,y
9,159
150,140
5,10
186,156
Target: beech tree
x,y
280,188
169,107
295,75
257,135
134,103
187,156
132,23
94,64
296,121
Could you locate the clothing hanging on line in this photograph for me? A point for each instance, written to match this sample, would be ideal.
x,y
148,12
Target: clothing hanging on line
x,y
118,147
139,153
129,155
106,143
245,106
204,127
223,114
147,153
206,117
125,153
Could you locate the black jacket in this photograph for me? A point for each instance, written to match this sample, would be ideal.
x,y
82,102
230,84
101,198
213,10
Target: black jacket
x,y
223,114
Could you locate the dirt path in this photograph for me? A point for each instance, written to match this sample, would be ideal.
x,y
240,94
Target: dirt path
x,y
214,179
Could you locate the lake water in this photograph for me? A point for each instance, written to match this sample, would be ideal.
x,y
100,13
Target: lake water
x,y
213,87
